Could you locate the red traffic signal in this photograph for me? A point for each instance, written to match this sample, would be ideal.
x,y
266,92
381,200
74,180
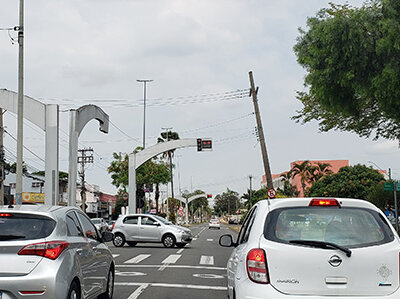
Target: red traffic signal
x,y
209,195
206,144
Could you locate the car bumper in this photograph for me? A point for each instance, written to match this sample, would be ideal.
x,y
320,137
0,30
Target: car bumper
x,y
184,238
249,290
214,226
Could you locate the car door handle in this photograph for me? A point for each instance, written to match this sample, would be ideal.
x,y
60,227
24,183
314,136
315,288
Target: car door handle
x,y
142,228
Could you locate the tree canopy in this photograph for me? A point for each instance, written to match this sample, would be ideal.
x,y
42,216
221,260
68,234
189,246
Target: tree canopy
x,y
350,182
352,59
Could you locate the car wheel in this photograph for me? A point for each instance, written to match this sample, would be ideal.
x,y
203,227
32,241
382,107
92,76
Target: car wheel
x,y
168,241
180,245
119,240
131,243
110,286
74,291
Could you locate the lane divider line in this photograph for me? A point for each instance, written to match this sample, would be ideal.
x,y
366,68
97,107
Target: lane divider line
x,y
138,291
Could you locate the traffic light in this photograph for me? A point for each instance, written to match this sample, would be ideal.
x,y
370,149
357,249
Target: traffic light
x,y
199,148
209,195
206,144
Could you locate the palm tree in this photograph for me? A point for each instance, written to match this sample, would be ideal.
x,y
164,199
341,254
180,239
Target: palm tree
x,y
320,170
166,136
304,170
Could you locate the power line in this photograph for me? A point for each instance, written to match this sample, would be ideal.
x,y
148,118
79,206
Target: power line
x,y
24,146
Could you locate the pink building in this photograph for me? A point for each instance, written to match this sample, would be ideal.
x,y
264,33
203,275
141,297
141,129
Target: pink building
x,y
335,165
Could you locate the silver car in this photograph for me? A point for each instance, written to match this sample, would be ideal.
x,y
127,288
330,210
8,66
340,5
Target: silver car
x,y
53,252
100,224
144,228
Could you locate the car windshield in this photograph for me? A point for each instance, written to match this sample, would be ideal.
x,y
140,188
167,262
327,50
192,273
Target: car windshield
x,y
95,221
15,226
163,220
349,227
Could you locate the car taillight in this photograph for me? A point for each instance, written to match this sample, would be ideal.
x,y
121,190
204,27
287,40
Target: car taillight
x,y
324,202
112,226
5,215
51,250
256,263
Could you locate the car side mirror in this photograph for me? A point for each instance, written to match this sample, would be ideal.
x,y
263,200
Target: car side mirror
x,y
157,224
226,241
107,236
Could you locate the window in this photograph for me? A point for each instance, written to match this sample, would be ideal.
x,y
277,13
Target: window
x,y
131,220
148,221
350,227
73,226
15,226
246,227
88,227
13,185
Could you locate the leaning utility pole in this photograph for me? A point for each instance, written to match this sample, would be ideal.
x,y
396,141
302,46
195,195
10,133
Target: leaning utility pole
x,y
84,159
20,116
267,169
250,191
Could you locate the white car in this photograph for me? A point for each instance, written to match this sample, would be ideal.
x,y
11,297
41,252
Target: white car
x,y
214,223
100,224
303,248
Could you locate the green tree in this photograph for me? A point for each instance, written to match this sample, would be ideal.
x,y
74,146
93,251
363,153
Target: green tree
x,y
319,170
352,56
381,198
288,189
227,203
304,170
350,182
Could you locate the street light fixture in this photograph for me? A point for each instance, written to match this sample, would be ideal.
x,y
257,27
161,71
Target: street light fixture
x,y
144,81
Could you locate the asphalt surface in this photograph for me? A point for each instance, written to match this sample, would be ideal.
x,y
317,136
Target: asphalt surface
x,y
196,271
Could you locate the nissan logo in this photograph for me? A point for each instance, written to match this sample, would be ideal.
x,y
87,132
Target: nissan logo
x,y
335,261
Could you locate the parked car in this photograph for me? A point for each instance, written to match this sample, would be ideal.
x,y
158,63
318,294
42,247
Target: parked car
x,y
314,248
100,224
214,223
145,228
53,252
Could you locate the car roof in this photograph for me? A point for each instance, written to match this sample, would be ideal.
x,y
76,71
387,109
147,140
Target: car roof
x,y
40,209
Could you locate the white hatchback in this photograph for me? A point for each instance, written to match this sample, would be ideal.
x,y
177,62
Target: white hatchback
x,y
321,248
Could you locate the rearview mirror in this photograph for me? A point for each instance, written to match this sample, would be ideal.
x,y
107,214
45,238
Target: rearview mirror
x,y
107,236
226,241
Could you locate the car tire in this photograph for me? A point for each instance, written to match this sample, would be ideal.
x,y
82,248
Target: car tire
x,y
74,291
168,241
180,245
110,286
131,243
119,240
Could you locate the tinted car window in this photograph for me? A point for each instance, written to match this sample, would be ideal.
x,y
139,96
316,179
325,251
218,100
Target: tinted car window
x,y
88,227
73,226
350,227
247,223
148,221
131,220
18,226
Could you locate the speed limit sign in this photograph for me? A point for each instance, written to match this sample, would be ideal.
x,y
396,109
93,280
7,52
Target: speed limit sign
x,y
271,193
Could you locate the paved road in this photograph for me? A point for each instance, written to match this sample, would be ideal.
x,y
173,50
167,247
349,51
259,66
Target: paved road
x,y
151,271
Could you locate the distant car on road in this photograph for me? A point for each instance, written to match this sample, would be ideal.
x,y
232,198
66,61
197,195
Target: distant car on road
x,y
214,223
314,248
100,224
146,228
53,252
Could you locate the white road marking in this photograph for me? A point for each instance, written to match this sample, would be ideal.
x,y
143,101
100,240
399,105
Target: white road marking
x,y
194,239
167,285
180,251
171,259
137,259
206,260
138,291
210,240
209,276
115,255
130,273
172,266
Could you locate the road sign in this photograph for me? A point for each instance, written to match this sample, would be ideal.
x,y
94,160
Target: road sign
x,y
271,193
390,187
125,196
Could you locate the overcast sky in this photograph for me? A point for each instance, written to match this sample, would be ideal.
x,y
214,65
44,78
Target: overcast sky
x,y
80,52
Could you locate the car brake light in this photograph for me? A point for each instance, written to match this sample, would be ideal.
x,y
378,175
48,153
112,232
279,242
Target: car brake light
x,y
51,250
324,202
256,263
112,226
5,215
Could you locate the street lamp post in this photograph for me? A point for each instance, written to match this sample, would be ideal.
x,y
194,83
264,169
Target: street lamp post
x,y
144,81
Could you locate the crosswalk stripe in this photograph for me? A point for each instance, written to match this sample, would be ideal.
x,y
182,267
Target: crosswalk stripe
x,y
115,255
206,260
210,240
137,259
171,259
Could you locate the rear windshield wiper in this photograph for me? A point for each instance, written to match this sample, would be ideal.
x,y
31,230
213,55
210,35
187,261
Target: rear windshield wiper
x,y
10,237
324,245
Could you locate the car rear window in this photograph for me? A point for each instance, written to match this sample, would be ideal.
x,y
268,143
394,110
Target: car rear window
x,y
349,227
18,226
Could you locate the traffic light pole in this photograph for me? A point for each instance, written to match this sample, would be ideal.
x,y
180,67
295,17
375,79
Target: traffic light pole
x,y
267,169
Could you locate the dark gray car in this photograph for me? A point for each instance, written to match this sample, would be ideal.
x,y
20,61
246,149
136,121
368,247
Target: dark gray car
x,y
53,252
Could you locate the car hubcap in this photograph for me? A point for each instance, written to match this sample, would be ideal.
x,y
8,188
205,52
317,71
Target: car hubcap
x,y
168,241
118,240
